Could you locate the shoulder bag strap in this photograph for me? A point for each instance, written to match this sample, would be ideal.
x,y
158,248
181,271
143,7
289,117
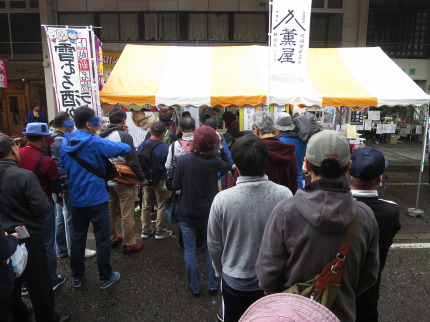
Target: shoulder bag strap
x,y
153,145
86,165
38,164
350,232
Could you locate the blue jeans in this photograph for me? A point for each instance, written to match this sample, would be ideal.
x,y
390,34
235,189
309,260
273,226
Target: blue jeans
x,y
49,241
63,226
98,215
189,238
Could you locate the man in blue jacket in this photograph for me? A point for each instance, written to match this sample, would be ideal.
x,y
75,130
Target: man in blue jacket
x,y
88,194
285,131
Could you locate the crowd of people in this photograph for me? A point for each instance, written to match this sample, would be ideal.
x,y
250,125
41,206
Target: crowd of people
x,y
262,231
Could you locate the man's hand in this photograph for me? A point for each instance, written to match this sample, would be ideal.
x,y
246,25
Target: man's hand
x,y
219,140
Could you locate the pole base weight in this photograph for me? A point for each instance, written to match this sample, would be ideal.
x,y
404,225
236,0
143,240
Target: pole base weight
x,y
415,212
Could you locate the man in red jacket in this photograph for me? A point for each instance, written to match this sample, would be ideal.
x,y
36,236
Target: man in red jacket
x,y
282,165
33,159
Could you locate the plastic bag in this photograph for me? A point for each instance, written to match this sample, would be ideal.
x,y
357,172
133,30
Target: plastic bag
x,y
19,260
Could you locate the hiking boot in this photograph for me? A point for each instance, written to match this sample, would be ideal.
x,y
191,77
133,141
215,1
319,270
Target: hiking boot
x,y
117,242
163,234
132,249
61,278
146,233
114,277
89,253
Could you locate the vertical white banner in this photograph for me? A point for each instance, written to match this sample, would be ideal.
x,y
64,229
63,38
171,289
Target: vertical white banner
x,y
289,41
71,53
247,118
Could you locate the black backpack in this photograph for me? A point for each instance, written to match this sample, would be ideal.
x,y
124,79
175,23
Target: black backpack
x,y
149,162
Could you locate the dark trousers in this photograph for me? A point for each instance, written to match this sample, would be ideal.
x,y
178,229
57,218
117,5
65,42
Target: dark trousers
x,y
38,281
366,304
5,308
236,302
98,215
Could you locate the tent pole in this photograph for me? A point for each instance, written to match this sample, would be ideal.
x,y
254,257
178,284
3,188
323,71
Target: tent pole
x,y
416,212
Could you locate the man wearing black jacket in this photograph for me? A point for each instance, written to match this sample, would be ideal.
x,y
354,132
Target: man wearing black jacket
x,y
122,195
23,202
368,165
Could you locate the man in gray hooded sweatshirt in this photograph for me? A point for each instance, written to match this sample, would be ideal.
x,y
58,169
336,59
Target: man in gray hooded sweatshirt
x,y
304,232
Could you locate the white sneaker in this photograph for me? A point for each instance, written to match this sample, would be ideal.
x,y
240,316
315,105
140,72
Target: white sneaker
x,y
89,253
162,235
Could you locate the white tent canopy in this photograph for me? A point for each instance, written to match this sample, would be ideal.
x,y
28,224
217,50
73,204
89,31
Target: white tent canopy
x,y
238,75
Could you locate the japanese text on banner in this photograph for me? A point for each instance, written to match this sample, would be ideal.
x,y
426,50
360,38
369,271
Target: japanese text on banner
x,y
289,39
72,68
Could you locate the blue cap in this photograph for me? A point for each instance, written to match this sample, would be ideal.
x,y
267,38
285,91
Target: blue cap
x,y
367,164
37,128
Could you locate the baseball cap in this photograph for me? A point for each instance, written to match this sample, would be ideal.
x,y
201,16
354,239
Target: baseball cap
x,y
166,117
37,128
284,122
367,164
213,123
287,307
328,144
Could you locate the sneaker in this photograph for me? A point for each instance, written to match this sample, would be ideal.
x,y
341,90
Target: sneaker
x,y
117,242
153,217
77,282
61,278
89,253
146,233
62,254
24,290
137,209
114,277
132,249
162,235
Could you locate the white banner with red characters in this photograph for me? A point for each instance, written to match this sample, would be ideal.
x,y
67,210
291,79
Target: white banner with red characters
x,y
74,70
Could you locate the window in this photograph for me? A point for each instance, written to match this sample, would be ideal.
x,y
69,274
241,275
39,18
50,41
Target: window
x,y
250,27
128,26
400,33
4,35
109,24
327,4
17,4
326,30
26,33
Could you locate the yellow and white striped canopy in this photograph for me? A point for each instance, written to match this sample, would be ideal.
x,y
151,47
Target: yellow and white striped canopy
x,y
238,75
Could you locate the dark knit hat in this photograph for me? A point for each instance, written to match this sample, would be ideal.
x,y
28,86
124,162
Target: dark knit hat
x,y
205,139
213,123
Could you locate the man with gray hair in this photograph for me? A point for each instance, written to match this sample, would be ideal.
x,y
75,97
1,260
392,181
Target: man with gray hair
x,y
282,165
304,232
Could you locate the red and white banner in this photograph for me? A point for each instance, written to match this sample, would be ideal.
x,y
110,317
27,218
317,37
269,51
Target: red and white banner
x,y
3,76
289,43
73,66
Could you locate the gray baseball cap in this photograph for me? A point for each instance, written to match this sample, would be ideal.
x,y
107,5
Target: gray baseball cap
x,y
328,144
284,122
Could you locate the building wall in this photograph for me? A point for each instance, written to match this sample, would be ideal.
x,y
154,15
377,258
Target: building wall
x,y
418,70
